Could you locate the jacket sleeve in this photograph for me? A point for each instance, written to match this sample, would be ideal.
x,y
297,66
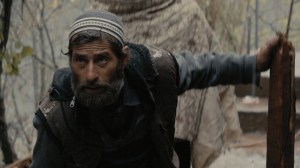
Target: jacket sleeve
x,y
211,69
46,152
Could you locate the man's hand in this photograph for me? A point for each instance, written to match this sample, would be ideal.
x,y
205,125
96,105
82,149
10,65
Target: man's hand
x,y
266,53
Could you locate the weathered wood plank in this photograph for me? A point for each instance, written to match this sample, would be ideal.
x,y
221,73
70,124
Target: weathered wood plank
x,y
281,112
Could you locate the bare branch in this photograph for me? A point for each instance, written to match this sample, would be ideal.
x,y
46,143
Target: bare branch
x,y
15,136
43,62
50,43
43,51
228,33
54,10
5,20
20,121
294,29
273,28
30,12
289,20
15,33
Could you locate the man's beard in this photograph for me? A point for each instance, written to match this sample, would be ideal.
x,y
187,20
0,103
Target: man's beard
x,y
107,92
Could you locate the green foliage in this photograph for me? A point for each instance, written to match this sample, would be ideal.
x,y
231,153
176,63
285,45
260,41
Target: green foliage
x,y
1,30
11,60
1,37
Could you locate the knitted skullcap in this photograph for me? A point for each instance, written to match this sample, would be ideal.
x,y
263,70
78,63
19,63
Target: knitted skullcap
x,y
98,20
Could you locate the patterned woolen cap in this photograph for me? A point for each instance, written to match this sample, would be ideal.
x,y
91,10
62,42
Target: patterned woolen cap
x,y
98,20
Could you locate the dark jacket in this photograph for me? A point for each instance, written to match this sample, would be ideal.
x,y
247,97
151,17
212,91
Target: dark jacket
x,y
158,77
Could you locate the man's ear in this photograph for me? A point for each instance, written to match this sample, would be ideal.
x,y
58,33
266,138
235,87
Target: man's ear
x,y
126,56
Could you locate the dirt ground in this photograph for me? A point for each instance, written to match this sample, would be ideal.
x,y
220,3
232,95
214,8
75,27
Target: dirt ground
x,y
250,152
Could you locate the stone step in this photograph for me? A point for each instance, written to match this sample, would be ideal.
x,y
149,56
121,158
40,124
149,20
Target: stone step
x,y
253,114
243,90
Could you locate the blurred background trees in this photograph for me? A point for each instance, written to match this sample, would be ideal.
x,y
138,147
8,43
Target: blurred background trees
x,y
37,37
8,152
245,25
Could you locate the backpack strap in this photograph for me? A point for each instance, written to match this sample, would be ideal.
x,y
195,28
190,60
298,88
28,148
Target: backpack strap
x,y
46,106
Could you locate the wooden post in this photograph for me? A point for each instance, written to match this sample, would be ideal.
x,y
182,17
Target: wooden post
x,y
281,113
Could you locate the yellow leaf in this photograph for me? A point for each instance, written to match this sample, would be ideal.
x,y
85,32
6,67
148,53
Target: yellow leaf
x,y
16,58
7,68
27,51
15,69
1,54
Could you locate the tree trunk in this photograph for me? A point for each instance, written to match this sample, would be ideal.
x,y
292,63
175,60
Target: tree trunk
x,y
9,155
8,152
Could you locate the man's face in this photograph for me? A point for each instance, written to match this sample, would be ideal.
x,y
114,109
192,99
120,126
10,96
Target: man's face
x,y
97,74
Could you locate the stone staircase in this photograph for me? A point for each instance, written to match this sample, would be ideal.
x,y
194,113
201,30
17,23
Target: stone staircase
x,y
253,111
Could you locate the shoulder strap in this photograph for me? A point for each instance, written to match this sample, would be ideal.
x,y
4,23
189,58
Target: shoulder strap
x,y
46,106
49,131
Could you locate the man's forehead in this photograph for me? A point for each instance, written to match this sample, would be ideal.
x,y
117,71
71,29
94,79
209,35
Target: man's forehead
x,y
95,45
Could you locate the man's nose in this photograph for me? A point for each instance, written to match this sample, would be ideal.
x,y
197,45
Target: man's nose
x,y
92,74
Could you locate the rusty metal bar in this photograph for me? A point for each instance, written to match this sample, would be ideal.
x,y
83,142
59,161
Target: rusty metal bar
x,y
281,112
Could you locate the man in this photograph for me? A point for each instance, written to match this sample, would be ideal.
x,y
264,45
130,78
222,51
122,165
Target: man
x,y
115,107
205,118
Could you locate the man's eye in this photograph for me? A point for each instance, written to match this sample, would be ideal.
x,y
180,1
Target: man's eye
x,y
102,60
80,60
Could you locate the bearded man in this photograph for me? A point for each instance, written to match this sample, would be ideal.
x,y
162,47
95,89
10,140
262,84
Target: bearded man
x,y
206,119
115,106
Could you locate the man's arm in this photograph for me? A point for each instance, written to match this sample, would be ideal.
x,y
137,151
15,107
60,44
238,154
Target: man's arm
x,y
213,69
210,69
46,153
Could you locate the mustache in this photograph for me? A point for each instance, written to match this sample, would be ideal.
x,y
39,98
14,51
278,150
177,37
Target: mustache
x,y
93,86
